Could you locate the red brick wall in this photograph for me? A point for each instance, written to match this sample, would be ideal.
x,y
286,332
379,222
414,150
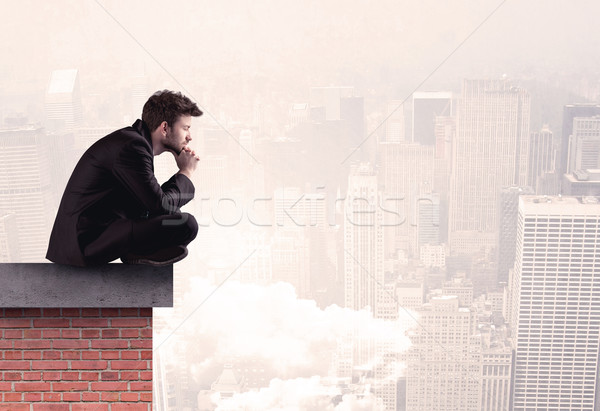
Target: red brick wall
x,y
72,359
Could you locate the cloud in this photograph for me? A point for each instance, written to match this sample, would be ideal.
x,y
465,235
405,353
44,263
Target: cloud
x,y
286,336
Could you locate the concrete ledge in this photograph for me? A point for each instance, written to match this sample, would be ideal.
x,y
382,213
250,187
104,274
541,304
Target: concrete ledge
x,y
110,285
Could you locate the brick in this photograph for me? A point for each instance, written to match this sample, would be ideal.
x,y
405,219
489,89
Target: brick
x,y
13,355
33,345
70,386
129,365
146,375
14,407
146,333
89,376
109,396
141,344
89,365
6,344
13,396
71,396
130,355
111,333
130,407
32,312
146,312
32,386
71,333
90,333
109,386
71,312
13,312
52,376
51,312
109,376
32,355
71,355
14,365
5,386
146,396
141,386
32,334
130,333
51,333
90,407
52,397
146,355
32,396
14,323
51,323
110,312
110,344
32,376
90,312
11,334
90,396
12,376
129,396
129,376
90,355
110,355
51,407
66,344
129,322
52,355
50,365
90,322
69,376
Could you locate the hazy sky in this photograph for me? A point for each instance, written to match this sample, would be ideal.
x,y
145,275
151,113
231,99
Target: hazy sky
x,y
289,43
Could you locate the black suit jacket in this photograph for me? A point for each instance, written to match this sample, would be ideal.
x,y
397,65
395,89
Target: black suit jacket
x,y
114,179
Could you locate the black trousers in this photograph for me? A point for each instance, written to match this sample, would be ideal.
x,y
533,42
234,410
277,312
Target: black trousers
x,y
141,237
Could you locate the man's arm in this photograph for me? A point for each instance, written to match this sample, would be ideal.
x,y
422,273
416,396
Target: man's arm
x,y
134,171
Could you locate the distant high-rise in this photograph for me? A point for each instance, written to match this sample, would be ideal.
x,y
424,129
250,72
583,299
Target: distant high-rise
x,y
584,144
507,228
490,152
26,188
426,107
554,307
395,125
582,183
363,240
571,111
9,246
542,155
64,110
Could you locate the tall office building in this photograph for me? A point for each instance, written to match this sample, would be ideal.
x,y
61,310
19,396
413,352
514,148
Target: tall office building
x,y
571,111
490,152
394,125
9,246
584,144
426,107
26,188
507,228
554,309
542,156
363,240
64,110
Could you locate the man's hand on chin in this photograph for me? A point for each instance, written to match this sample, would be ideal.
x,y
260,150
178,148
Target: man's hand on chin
x,y
187,161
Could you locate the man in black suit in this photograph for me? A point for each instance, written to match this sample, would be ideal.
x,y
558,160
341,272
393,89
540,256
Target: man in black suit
x,y
113,207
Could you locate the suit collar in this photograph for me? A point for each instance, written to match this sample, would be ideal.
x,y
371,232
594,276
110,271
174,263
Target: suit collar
x,y
142,128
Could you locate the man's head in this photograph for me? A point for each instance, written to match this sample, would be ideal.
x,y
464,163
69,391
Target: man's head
x,y
169,113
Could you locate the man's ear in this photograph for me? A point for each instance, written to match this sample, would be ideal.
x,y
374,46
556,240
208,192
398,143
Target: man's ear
x,y
163,128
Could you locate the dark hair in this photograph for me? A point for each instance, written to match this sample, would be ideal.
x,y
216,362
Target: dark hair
x,y
167,105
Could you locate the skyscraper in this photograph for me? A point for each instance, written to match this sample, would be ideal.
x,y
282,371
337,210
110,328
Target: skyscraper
x,y
584,144
426,107
554,310
542,155
571,111
490,152
63,101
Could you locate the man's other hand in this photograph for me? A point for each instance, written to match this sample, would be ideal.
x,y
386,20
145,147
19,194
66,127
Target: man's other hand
x,y
187,161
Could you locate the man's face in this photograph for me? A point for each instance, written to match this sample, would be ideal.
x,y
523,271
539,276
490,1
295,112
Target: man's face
x,y
179,134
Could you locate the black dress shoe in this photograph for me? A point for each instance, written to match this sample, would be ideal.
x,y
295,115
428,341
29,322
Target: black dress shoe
x,y
166,256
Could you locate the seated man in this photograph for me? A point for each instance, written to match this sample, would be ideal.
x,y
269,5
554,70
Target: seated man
x,y
113,206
